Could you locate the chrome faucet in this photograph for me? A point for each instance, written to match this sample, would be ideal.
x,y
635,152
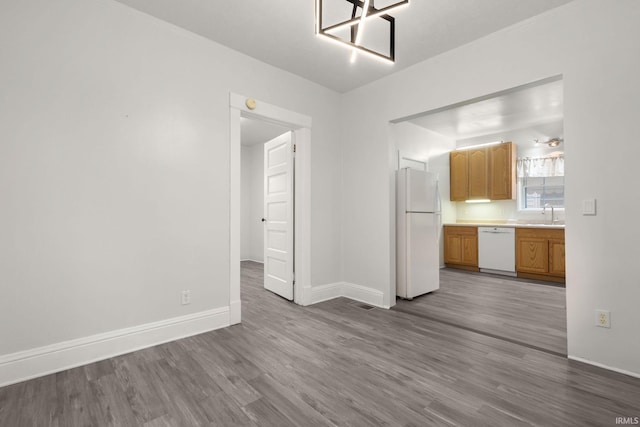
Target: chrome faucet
x,y
544,210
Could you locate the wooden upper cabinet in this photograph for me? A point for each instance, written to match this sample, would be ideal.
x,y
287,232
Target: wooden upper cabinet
x,y
502,171
478,174
484,173
458,175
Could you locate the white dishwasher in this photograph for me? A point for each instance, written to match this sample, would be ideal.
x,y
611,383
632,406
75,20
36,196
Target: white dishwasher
x,y
497,250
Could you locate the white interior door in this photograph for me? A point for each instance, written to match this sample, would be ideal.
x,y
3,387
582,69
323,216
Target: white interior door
x,y
278,216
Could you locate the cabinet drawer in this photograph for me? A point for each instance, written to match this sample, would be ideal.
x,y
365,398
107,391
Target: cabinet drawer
x,y
543,233
460,231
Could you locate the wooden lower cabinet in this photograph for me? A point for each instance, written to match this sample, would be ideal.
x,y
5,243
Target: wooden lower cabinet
x,y
540,254
556,257
461,247
532,255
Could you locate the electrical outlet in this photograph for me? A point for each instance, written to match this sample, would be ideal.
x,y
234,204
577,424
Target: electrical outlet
x,y
603,318
186,297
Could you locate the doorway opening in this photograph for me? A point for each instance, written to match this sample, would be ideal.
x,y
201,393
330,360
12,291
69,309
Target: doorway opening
x,y
513,141
262,225
267,203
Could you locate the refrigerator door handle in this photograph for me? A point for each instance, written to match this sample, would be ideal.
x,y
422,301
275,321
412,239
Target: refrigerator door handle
x,y
438,201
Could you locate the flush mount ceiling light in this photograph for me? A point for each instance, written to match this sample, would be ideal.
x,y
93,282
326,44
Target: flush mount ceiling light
x,y
553,142
349,30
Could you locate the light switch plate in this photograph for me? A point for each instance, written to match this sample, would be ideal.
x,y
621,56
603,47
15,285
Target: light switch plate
x,y
589,207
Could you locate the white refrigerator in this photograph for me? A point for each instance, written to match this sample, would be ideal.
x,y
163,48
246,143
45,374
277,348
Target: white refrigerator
x,y
417,233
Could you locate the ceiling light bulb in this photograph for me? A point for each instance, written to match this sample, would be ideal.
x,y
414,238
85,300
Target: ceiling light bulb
x,y
553,142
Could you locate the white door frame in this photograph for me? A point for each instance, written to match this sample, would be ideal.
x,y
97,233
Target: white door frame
x,y
301,128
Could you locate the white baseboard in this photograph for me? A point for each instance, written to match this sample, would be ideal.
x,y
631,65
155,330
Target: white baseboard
x,y
37,362
344,289
252,260
324,292
603,366
363,294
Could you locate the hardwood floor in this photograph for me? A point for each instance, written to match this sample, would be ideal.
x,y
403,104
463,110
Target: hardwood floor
x,y
518,310
336,363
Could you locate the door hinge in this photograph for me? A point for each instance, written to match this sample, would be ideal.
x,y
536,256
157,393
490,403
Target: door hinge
x,y
294,148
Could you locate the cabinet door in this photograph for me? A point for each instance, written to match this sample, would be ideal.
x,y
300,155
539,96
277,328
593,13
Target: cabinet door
x,y
556,257
478,176
470,250
532,255
502,171
458,175
452,249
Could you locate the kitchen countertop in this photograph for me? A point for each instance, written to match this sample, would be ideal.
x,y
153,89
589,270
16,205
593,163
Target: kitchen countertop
x,y
505,224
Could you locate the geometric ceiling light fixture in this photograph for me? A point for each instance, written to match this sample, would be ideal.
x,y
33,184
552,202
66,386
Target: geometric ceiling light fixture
x,y
349,18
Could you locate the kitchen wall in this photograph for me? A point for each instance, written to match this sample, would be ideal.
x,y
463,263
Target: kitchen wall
x,y
114,172
596,52
252,203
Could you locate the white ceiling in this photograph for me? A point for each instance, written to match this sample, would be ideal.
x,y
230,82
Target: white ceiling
x,y
254,132
281,32
537,108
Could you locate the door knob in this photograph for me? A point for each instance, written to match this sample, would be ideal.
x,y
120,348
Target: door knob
x,y
264,220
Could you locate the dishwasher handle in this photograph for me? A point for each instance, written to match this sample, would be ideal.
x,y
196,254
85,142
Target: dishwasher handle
x,y
496,231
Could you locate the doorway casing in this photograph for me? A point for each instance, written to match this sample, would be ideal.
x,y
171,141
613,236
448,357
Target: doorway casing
x,y
300,125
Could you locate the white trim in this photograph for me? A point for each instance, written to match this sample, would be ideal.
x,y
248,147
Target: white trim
x,y
364,294
252,260
235,309
302,139
301,127
324,292
603,366
235,312
270,113
25,365
347,290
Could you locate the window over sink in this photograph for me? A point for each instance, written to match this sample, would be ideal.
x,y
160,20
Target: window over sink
x,y
540,183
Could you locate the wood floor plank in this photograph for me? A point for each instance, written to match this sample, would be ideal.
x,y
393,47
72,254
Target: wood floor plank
x,y
222,411
515,309
265,414
438,360
78,400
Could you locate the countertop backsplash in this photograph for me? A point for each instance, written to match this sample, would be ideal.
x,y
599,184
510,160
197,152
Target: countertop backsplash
x,y
503,210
